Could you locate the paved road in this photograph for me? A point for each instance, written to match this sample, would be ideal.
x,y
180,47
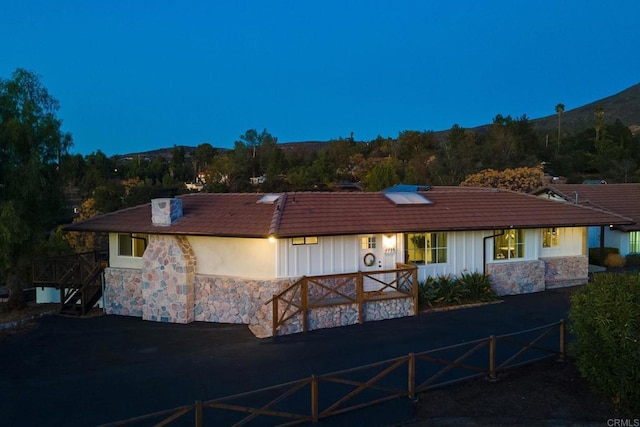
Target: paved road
x,y
89,371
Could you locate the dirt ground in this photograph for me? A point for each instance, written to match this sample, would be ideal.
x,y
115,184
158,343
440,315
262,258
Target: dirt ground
x,y
544,393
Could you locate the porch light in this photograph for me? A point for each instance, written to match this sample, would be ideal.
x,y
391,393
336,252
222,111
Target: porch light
x,y
389,241
271,238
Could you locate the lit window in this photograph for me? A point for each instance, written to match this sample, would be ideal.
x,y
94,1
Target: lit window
x,y
634,242
312,240
368,242
132,245
550,237
429,248
509,245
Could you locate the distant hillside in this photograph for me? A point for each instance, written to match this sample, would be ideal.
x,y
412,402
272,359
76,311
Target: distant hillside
x,y
624,106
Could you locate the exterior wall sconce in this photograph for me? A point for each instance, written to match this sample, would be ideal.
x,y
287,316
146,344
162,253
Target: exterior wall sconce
x,y
389,243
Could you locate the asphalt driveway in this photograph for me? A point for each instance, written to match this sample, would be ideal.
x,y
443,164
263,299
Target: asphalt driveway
x,y
88,371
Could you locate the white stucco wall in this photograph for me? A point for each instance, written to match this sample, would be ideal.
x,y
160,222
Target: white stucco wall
x,y
226,256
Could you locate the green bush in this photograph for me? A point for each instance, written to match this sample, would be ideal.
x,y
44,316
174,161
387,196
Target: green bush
x,y
596,257
446,291
632,260
605,320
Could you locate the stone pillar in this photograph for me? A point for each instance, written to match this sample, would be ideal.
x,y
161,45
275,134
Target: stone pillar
x,y
168,272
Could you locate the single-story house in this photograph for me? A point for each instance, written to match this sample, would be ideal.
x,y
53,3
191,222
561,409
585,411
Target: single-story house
x,y
228,257
622,199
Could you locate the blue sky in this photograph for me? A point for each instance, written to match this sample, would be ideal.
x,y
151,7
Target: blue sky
x,y
140,75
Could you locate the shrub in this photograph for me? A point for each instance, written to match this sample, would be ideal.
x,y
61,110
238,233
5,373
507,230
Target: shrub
x,y
614,261
597,257
445,290
479,287
632,260
605,320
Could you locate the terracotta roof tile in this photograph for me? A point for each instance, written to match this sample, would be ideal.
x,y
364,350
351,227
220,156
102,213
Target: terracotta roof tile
x,y
623,199
323,213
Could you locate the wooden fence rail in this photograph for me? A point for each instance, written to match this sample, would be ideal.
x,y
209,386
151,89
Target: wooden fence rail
x,y
311,292
322,396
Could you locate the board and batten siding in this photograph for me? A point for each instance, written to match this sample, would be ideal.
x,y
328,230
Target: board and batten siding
x,y
332,254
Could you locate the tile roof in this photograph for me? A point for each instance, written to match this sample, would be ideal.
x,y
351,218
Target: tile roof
x,y
324,213
623,199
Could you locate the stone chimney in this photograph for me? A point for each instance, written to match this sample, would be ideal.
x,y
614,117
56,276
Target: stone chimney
x,y
165,212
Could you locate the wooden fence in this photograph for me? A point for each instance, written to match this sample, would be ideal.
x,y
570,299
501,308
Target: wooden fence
x,y
317,397
311,292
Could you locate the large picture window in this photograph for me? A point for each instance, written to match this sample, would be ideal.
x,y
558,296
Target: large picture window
x,y
509,245
425,248
634,242
132,245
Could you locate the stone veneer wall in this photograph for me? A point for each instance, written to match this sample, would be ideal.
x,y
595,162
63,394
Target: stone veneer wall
x,y
167,289
519,277
566,271
168,270
123,291
235,300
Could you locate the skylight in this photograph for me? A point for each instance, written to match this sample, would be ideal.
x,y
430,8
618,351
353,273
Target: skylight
x,y
407,198
269,199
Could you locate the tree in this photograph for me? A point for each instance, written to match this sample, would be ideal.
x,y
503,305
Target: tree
x,y
520,179
382,175
31,200
559,112
598,121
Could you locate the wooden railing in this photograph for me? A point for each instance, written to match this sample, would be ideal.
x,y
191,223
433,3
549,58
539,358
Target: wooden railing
x,y
78,277
311,292
322,396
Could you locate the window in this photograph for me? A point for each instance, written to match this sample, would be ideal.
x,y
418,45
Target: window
x,y
132,245
634,242
368,242
550,237
425,248
508,245
313,240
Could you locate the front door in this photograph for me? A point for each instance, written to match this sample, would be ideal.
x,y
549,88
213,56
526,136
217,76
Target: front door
x,y
371,259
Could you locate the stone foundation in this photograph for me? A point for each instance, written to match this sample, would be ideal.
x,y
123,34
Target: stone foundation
x,y
521,277
566,271
168,270
235,300
123,292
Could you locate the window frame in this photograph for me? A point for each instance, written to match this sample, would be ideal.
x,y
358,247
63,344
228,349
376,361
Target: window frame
x,y
137,244
511,249
417,243
304,240
550,237
634,242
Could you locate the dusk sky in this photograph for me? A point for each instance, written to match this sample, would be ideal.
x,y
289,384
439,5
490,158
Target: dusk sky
x,y
140,75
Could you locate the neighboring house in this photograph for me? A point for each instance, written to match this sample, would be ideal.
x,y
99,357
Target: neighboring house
x,y
222,257
622,199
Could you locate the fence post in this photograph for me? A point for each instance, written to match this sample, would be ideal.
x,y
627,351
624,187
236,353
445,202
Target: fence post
x,y
314,398
562,341
360,295
274,320
416,299
198,411
304,300
412,376
492,359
